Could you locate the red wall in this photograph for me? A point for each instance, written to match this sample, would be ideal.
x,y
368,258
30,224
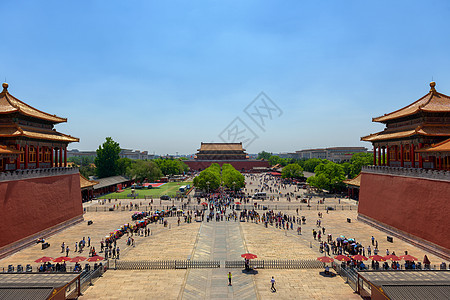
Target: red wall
x,y
237,164
32,205
417,206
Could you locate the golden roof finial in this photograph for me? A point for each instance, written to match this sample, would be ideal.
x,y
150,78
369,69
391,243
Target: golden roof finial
x,y
432,85
5,86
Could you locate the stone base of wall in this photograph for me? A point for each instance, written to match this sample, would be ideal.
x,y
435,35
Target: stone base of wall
x,y
411,239
30,240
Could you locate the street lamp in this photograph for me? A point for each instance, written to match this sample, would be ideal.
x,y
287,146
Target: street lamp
x,y
207,183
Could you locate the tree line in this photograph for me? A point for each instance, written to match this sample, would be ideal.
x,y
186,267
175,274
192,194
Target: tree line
x,y
327,174
108,163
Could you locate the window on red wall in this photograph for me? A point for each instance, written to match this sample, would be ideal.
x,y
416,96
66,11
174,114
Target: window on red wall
x,y
22,155
392,154
47,155
416,156
406,153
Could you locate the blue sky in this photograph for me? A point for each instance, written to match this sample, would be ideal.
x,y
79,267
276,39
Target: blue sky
x,y
165,76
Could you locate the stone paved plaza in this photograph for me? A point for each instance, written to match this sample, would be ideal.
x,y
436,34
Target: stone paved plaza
x,y
225,240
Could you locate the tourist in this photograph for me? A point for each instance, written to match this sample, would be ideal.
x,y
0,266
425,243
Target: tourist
x,y
62,247
229,278
272,288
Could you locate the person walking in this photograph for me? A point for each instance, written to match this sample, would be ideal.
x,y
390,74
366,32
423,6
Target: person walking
x,y
272,288
229,278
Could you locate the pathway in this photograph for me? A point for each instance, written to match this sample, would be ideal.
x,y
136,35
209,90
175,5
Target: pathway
x,y
218,241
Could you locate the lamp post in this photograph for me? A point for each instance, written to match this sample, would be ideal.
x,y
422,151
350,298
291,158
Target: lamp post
x,y
207,183
234,188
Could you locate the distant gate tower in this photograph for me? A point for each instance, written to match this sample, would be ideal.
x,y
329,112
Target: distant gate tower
x,y
220,153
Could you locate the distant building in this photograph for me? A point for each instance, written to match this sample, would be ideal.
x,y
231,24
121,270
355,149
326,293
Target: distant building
x,y
136,154
76,152
128,153
221,153
334,154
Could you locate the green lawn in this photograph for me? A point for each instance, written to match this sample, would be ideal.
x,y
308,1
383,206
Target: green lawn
x,y
169,188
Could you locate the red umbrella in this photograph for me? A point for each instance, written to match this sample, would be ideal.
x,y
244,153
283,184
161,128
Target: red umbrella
x,y
359,257
408,257
78,259
62,259
237,203
342,258
43,259
204,203
325,259
95,258
392,257
249,256
377,258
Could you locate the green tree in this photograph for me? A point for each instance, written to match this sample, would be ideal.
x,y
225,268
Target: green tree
x,y
274,160
311,164
123,164
87,171
328,176
207,180
232,178
142,170
107,157
292,171
171,166
358,161
264,155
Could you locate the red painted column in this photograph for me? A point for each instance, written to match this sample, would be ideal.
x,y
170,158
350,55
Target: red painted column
x,y
51,157
65,157
440,162
18,158
401,156
60,157
38,149
26,157
387,155
374,155
413,163
379,155
420,157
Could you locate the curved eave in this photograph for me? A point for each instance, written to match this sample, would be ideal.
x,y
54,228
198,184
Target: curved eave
x,y
431,103
22,108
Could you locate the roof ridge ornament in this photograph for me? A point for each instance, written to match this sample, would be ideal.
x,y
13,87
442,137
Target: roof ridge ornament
x,y
5,87
432,89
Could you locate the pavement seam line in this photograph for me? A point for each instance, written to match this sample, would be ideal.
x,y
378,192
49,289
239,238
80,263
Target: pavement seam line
x,y
183,286
246,249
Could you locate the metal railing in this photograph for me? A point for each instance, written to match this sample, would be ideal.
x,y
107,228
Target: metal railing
x,y
164,264
277,264
88,277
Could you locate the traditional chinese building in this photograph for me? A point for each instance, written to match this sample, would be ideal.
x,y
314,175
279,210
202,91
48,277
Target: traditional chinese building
x,y
407,191
232,153
221,151
411,131
29,135
39,195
